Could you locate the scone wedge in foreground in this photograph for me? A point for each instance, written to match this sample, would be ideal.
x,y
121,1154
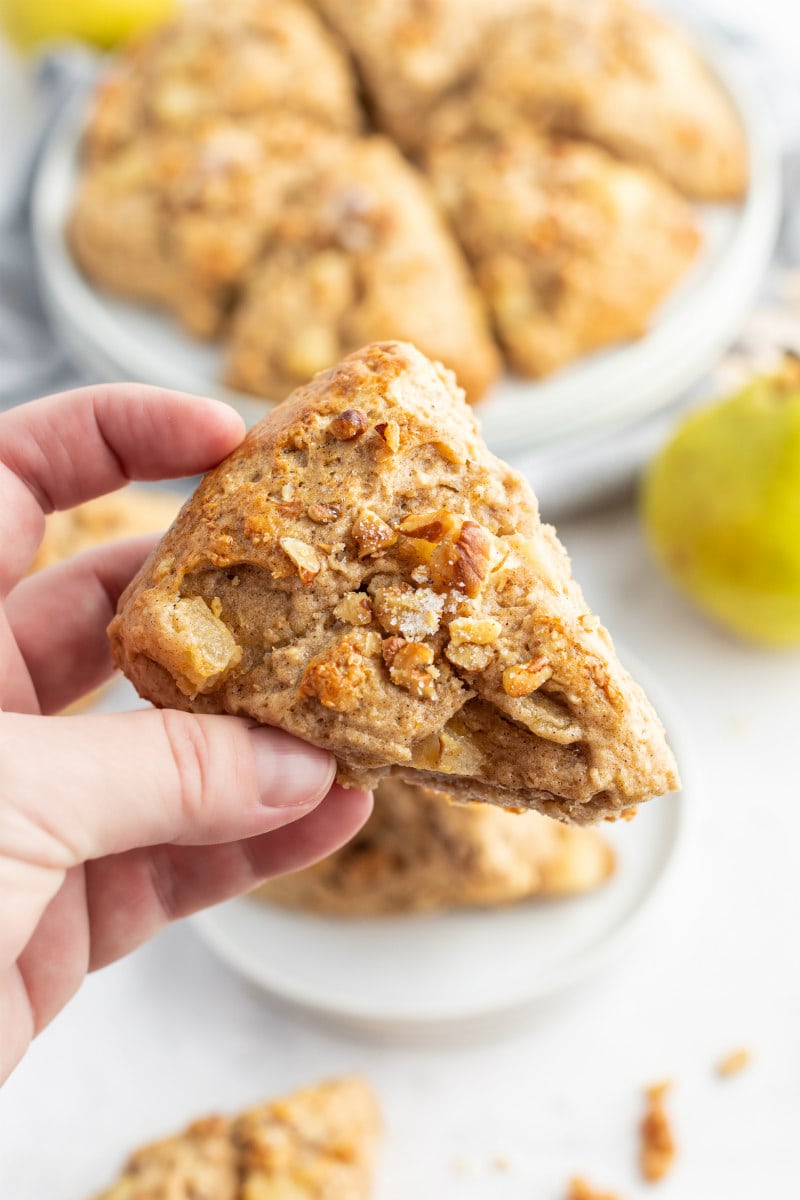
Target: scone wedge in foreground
x,y
418,852
317,1144
363,573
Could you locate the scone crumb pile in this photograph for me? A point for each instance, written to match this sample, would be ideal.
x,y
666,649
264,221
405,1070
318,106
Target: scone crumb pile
x,y
657,1143
364,574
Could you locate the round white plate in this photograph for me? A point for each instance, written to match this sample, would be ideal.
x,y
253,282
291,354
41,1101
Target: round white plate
x,y
118,340
460,970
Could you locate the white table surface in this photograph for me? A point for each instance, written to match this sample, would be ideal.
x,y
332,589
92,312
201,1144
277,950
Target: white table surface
x,y
169,1033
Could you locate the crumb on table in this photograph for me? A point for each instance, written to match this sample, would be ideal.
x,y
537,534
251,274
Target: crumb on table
x,y
733,1063
579,1189
657,1143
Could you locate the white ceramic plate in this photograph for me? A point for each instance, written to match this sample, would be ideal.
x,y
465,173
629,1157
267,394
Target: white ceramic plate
x,y
118,340
456,971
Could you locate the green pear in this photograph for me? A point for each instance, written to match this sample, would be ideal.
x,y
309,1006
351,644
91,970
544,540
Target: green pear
x,y
721,506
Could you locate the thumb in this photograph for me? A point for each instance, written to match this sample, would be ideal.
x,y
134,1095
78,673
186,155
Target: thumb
x,y
78,788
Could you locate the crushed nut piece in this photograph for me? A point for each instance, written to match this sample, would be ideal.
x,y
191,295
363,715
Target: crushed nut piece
x,y
430,526
525,678
304,557
336,678
290,508
414,613
348,425
321,514
464,564
579,1189
411,666
657,1142
480,631
372,535
733,1063
468,656
389,433
355,608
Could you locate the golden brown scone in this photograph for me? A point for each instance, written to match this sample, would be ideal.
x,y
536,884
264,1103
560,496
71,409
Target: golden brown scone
x,y
122,514
420,853
363,573
572,249
410,53
177,221
615,73
316,1144
244,59
361,254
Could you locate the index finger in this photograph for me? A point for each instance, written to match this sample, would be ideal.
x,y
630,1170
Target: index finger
x,y
60,451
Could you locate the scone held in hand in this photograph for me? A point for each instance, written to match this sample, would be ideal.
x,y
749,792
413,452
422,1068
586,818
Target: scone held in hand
x,y
363,573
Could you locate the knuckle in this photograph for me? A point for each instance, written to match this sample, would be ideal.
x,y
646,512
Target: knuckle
x,y
192,755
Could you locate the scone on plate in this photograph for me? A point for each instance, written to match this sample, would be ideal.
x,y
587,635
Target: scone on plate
x,y
242,59
573,249
360,254
363,573
126,513
317,1144
612,72
177,221
420,853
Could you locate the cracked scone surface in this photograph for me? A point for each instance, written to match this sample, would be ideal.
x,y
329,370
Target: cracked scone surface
x,y
573,249
363,573
360,254
244,59
420,853
316,1144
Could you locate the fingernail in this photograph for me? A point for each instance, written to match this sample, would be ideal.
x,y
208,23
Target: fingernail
x,y
290,773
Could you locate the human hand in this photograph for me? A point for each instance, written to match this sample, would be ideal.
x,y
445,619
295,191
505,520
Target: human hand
x,y
111,826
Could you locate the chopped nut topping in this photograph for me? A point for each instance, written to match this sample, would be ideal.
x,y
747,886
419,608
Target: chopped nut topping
x,y
480,631
658,1145
525,678
321,514
414,613
465,566
411,666
372,535
355,608
733,1063
336,678
304,557
389,433
348,425
468,656
430,526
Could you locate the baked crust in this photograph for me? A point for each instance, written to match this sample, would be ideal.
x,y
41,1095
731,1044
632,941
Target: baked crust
x,y
476,668
242,59
573,249
316,1144
420,853
360,254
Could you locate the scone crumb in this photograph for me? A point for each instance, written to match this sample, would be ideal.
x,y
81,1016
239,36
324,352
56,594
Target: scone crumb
x,y
389,433
733,1063
304,557
411,666
348,425
524,678
579,1189
413,613
657,1143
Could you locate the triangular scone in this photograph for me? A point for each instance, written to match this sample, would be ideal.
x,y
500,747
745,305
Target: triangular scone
x,y
363,573
573,249
420,853
316,1144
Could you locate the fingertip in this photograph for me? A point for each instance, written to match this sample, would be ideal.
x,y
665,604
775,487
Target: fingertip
x,y
290,773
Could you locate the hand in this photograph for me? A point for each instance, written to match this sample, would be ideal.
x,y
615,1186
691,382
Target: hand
x,y
111,826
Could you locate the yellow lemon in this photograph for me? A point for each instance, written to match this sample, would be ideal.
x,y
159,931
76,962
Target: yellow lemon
x,y
104,22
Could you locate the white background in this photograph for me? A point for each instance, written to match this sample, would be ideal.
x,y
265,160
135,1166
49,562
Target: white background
x,y
169,1033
